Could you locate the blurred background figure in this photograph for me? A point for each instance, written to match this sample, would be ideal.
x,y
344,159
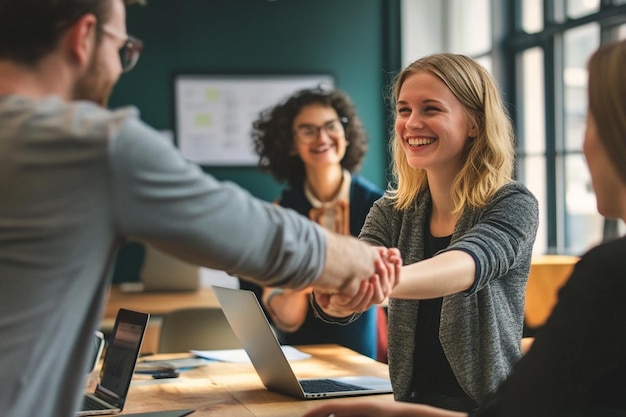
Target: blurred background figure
x,y
315,143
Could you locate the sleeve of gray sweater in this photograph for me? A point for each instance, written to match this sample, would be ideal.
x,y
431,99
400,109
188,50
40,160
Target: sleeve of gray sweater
x,y
163,200
500,236
497,236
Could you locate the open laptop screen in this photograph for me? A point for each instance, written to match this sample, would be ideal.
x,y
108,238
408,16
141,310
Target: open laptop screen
x,y
121,357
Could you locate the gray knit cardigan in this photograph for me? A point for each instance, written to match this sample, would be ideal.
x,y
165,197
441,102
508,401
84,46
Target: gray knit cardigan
x,y
481,329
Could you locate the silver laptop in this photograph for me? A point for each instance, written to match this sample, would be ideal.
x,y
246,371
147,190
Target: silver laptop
x,y
250,324
118,365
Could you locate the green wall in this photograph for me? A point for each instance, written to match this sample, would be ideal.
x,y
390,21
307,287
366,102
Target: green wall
x,y
356,41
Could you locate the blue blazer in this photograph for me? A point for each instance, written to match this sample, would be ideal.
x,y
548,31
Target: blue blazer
x,y
360,335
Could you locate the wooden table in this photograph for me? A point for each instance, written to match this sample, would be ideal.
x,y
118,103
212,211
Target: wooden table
x,y
234,389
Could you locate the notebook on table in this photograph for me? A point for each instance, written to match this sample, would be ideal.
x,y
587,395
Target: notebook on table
x,y
249,323
118,365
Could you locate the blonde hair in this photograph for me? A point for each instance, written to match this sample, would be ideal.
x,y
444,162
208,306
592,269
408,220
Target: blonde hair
x,y
489,156
607,100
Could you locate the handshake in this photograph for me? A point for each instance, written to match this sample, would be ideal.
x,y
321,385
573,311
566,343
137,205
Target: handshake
x,y
355,276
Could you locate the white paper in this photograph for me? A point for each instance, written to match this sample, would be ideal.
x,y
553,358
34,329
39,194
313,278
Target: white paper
x,y
214,113
240,355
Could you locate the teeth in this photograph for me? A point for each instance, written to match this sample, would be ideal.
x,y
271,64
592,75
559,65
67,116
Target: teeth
x,y
320,150
420,141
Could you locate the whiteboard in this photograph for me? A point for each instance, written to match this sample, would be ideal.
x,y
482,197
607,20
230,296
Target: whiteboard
x,y
214,113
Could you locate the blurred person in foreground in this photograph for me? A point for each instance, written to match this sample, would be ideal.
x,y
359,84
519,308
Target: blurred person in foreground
x,y
77,180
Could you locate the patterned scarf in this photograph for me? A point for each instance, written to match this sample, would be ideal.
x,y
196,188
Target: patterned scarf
x,y
333,215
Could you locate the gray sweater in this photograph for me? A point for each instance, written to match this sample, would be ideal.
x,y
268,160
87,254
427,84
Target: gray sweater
x,y
77,180
480,330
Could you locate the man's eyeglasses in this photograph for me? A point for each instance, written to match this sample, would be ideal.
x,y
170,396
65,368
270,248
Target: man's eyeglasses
x,y
129,51
308,133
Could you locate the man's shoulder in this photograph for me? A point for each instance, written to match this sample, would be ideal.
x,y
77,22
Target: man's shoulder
x,y
53,104
69,119
91,112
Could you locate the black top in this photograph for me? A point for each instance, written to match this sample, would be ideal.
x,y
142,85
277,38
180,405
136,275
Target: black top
x,y
577,364
433,379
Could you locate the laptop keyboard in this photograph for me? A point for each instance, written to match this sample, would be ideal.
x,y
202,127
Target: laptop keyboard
x,y
91,404
315,386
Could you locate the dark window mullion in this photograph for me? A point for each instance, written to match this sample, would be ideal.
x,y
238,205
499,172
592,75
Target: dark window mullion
x,y
551,125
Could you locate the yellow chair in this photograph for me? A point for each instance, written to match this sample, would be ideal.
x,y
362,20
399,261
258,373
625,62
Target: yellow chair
x,y
196,328
548,273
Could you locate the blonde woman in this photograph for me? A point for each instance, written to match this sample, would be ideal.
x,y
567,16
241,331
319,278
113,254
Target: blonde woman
x,y
465,230
577,364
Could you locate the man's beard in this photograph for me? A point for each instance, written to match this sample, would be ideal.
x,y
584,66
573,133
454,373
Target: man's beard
x,y
94,85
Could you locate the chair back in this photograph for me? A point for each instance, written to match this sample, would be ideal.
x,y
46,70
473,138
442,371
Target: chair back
x,y
202,328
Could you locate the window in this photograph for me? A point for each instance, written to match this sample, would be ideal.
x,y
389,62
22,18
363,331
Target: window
x,y
532,16
538,51
470,26
552,46
582,223
531,154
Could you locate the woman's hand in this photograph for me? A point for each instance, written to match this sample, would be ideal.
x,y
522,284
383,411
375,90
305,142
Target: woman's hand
x,y
373,291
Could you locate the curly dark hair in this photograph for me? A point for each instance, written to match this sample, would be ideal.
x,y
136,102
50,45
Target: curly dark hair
x,y
272,134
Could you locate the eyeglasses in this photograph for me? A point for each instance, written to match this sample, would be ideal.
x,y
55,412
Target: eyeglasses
x,y
129,51
309,133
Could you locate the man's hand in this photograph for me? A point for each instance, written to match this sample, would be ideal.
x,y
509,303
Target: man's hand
x,y
374,290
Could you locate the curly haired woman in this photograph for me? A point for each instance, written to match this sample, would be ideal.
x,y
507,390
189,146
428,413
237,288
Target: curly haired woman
x,y
315,143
